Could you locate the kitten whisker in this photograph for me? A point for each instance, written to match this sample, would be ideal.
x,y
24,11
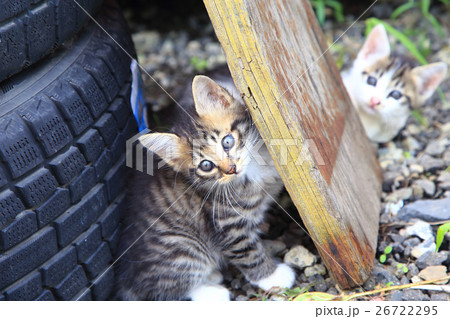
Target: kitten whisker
x,y
226,195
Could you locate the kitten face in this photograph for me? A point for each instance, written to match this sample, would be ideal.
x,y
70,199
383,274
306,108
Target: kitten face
x,y
384,87
218,148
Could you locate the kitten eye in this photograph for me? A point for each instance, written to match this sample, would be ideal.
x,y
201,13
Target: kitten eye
x,y
206,166
372,81
228,142
395,94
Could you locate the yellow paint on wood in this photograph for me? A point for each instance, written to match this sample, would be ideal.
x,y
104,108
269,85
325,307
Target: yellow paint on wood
x,y
270,111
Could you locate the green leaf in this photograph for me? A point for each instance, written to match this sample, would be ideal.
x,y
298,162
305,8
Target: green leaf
x,y
294,291
317,296
399,266
338,10
423,121
401,9
320,11
388,250
199,64
435,23
440,234
425,6
405,269
383,258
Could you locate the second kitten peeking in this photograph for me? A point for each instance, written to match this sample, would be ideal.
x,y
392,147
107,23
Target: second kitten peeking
x,y
384,87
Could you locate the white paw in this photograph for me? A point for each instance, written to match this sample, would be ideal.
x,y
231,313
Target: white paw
x,y
283,277
215,277
209,292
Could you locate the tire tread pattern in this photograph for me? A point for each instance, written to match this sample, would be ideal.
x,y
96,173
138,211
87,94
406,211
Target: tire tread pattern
x,y
62,157
30,29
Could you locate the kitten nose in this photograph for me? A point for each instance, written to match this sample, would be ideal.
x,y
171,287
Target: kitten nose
x,y
374,101
231,170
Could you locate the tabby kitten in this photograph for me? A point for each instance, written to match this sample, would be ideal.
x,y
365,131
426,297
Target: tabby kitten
x,y
384,87
204,209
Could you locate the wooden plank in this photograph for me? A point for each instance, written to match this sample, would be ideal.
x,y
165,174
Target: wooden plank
x,y
279,61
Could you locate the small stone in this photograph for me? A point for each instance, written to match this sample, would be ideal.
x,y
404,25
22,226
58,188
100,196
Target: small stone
x,y
236,284
444,180
428,186
390,179
417,191
321,287
414,295
416,168
431,164
428,210
445,128
314,270
299,257
436,148
411,242
400,194
434,272
274,247
426,246
413,129
404,280
420,229
385,275
445,186
397,238
412,270
446,157
431,259
242,298
370,283
396,296
249,290
415,279
411,144
441,296
332,291
391,153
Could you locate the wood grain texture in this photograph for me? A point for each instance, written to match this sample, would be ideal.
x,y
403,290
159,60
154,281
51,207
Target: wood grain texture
x,y
279,61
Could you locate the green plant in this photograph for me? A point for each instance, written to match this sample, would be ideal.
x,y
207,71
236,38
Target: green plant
x,y
199,64
387,251
424,6
320,9
423,121
440,234
403,267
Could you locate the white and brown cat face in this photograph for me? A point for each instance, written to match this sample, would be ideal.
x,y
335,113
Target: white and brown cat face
x,y
384,87
221,147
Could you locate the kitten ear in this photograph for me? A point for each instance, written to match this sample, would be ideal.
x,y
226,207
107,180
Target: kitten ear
x,y
376,46
428,77
165,145
209,97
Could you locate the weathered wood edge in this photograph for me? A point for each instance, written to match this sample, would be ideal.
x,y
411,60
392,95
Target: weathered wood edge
x,y
233,29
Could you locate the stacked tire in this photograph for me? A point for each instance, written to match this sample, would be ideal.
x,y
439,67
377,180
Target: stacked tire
x,y
64,122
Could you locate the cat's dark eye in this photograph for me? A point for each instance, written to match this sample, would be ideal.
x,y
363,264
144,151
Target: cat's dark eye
x,y
395,94
372,81
206,166
228,142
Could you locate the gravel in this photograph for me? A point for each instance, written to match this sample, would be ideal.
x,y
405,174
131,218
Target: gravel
x,y
416,178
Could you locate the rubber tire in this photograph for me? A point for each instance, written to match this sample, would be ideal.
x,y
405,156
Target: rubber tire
x,y
63,127
31,29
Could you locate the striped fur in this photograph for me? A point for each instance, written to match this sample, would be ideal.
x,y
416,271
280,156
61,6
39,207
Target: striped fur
x,y
377,78
199,221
